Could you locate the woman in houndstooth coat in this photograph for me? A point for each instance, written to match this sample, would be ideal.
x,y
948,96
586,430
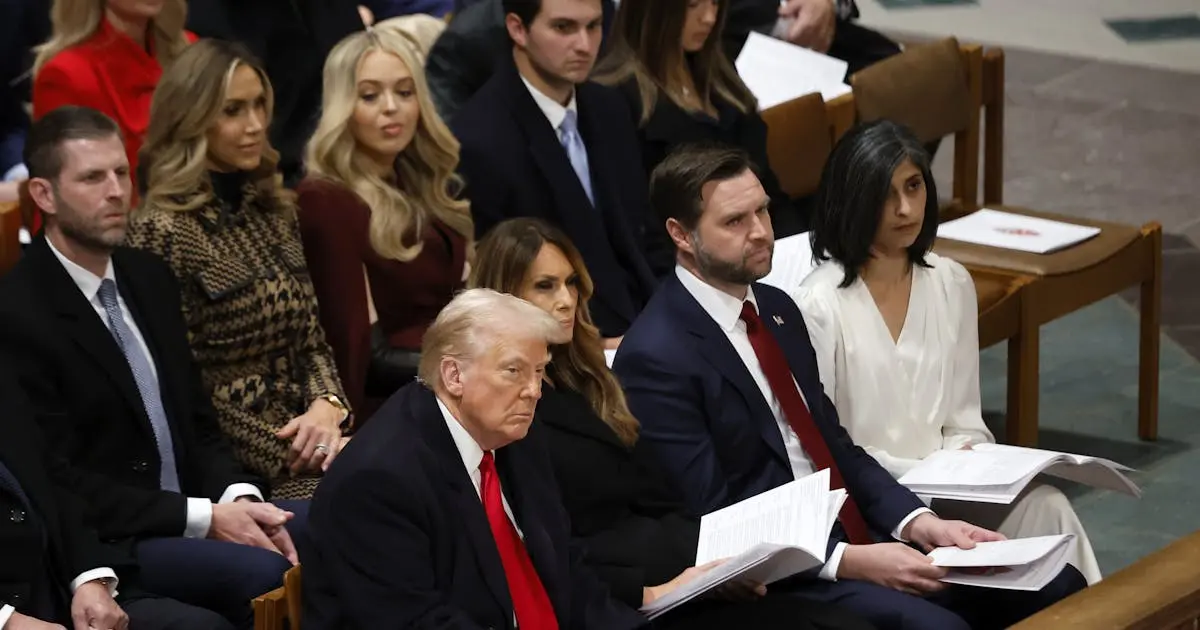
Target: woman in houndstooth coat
x,y
216,211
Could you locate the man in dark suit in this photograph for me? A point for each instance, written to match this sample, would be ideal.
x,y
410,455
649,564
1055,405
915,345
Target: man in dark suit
x,y
720,372
97,333
826,26
465,54
55,569
438,515
540,140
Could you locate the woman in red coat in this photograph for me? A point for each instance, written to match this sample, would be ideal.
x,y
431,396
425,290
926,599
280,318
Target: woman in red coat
x,y
108,55
387,244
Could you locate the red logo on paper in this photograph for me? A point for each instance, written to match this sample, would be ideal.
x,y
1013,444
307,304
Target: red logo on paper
x,y
1018,231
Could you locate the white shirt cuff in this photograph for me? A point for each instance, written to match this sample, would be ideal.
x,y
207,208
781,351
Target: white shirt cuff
x,y
6,612
829,571
199,518
908,519
101,573
236,491
199,511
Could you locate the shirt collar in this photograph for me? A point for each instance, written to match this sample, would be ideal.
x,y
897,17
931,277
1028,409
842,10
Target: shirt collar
x,y
725,309
87,281
554,112
468,448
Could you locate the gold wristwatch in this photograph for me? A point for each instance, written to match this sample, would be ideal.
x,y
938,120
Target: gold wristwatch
x,y
340,406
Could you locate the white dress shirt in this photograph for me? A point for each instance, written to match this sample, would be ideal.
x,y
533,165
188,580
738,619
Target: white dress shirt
x,y
726,311
554,111
901,399
472,455
199,510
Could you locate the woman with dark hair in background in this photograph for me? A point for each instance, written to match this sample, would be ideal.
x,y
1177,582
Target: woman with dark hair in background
x,y
640,540
895,327
666,57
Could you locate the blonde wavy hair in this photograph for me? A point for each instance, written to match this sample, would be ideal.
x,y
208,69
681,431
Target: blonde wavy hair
x,y
425,169
73,21
504,258
187,103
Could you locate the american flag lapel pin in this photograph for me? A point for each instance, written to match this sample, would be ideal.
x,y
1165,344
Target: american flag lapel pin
x,y
778,320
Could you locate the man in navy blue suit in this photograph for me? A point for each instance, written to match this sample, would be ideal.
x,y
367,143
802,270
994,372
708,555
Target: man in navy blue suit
x,y
719,370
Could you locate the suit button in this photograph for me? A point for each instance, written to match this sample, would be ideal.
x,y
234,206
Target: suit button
x,y
16,600
141,466
17,516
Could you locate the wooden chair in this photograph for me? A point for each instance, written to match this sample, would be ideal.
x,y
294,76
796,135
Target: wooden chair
x,y
10,235
280,609
1158,592
799,139
928,88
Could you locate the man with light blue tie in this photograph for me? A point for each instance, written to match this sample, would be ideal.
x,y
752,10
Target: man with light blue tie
x,y
96,333
540,140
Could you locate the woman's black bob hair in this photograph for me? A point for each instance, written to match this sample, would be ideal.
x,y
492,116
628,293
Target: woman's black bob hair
x,y
854,188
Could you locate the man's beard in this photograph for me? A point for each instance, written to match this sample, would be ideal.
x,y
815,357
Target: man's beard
x,y
86,233
723,270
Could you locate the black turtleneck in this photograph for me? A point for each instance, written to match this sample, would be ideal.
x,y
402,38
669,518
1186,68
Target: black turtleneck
x,y
227,187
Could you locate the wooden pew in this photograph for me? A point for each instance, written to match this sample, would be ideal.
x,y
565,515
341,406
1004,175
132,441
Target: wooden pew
x,y
1159,592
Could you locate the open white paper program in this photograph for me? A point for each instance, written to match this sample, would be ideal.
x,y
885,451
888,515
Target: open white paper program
x,y
777,71
1026,564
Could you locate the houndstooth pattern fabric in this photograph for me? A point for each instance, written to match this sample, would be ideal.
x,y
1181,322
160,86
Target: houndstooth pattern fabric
x,y
252,323
147,384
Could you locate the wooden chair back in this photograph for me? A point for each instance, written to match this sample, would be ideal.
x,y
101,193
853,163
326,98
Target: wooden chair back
x,y
799,140
10,235
935,90
291,585
281,608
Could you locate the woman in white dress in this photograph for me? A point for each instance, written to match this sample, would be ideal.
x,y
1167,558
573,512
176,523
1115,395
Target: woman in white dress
x,y
895,327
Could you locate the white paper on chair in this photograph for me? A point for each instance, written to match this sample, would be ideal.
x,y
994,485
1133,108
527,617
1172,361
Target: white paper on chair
x,y
1023,564
997,473
995,228
776,71
791,263
763,539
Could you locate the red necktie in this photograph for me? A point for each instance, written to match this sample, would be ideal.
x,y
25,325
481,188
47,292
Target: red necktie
x,y
530,602
779,377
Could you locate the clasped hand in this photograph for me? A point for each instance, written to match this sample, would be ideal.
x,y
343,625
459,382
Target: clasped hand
x,y
261,525
900,567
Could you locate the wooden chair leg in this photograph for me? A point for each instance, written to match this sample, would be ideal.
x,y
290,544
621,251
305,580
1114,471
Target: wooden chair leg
x,y
1021,423
1148,359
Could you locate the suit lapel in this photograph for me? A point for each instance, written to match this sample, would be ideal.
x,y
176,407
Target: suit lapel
x,y
81,323
516,479
464,498
786,334
716,348
603,156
